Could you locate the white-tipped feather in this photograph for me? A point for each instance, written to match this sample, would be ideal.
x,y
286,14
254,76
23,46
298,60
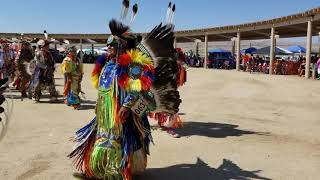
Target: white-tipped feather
x,y
133,17
125,9
172,14
168,13
125,13
134,12
45,34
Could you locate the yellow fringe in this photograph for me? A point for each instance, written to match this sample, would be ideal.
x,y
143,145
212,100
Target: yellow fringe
x,y
65,66
138,57
134,85
95,81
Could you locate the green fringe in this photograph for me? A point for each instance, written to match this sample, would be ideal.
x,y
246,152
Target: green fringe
x,y
106,110
105,162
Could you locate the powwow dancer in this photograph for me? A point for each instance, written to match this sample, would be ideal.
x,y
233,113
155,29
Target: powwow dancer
x,y
72,69
43,77
7,60
115,144
24,56
182,72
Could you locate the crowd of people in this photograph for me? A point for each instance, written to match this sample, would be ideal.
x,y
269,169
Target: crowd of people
x,y
281,66
31,70
193,59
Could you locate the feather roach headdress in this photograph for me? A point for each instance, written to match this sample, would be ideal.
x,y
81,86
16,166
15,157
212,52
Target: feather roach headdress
x,y
122,34
45,41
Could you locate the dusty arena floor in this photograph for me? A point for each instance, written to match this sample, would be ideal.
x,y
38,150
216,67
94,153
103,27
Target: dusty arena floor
x,y
236,126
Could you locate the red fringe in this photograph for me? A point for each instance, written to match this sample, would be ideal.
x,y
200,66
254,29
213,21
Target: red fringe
x,y
163,118
96,70
17,83
124,60
127,171
123,80
147,68
87,154
146,83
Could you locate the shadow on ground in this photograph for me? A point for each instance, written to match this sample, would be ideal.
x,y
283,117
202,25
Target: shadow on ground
x,y
87,107
228,170
215,130
88,102
201,171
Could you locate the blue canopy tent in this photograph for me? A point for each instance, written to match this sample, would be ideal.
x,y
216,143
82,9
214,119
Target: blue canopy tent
x,y
218,50
266,51
248,51
219,57
297,49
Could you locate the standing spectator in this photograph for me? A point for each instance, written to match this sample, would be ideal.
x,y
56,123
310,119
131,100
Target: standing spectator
x,y
318,68
245,62
302,67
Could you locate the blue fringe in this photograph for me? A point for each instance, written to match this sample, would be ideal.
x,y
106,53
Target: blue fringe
x,y
83,137
84,132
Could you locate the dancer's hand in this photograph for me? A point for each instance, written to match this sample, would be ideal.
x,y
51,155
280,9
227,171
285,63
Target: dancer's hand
x,y
123,114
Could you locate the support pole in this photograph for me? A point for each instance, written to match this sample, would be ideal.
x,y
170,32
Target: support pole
x,y
93,57
205,51
81,52
309,46
92,49
238,51
272,48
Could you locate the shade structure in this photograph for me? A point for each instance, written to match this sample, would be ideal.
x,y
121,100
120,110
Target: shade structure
x,y
248,50
297,49
90,41
266,51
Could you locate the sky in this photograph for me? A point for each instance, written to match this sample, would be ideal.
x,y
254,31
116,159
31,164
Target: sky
x,y
92,16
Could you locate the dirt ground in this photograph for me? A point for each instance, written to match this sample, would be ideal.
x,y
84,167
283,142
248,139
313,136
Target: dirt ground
x,y
236,126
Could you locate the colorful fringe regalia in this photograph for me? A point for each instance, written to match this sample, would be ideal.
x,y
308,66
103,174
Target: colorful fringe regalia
x,y
99,64
73,72
108,149
166,120
43,76
139,80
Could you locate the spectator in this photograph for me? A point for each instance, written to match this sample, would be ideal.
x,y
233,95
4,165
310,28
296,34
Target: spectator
x,y
302,68
318,68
